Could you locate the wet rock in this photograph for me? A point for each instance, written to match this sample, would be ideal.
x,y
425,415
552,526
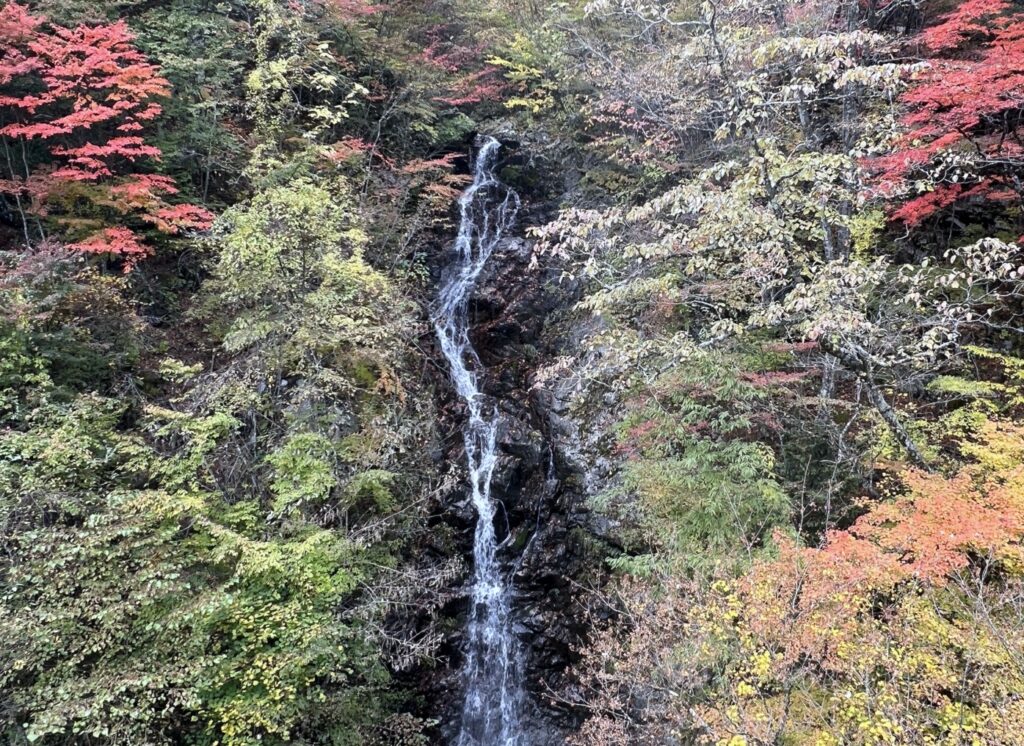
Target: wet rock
x,y
544,469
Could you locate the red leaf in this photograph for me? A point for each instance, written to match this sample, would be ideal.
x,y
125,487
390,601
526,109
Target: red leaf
x,y
93,95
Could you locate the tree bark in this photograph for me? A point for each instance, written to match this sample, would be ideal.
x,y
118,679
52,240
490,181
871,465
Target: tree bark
x,y
888,414
858,360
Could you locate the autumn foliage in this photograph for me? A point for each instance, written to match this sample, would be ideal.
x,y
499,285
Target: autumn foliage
x,y
902,606
963,137
467,79
75,104
930,535
903,628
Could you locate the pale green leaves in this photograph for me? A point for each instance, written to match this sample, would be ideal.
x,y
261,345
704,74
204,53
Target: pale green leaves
x,y
290,281
303,471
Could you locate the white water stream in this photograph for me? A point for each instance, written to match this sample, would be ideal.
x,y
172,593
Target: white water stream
x,y
492,670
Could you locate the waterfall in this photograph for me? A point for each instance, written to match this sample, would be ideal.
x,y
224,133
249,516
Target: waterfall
x,y
491,674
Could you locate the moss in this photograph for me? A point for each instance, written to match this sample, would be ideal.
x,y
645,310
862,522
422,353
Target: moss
x,y
522,177
519,543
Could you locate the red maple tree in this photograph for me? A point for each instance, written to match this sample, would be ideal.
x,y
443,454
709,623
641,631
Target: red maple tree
x,y
964,123
74,103
466,78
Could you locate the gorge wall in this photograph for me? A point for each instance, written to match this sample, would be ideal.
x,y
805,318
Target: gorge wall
x,y
520,322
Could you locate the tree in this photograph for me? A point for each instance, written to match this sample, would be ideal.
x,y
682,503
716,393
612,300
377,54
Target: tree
x,y
900,629
151,614
292,291
963,139
74,103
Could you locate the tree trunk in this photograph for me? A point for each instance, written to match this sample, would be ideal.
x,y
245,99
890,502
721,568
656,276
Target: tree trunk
x,y
859,361
888,414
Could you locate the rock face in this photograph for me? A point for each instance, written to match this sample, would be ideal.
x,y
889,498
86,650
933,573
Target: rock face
x,y
540,481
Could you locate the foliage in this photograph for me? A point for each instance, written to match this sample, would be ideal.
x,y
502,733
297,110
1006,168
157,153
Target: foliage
x,y
141,606
784,362
299,297
693,486
206,516
863,640
962,126
523,66
792,378
64,328
85,93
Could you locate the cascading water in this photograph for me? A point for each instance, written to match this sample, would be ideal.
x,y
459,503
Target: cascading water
x,y
492,677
